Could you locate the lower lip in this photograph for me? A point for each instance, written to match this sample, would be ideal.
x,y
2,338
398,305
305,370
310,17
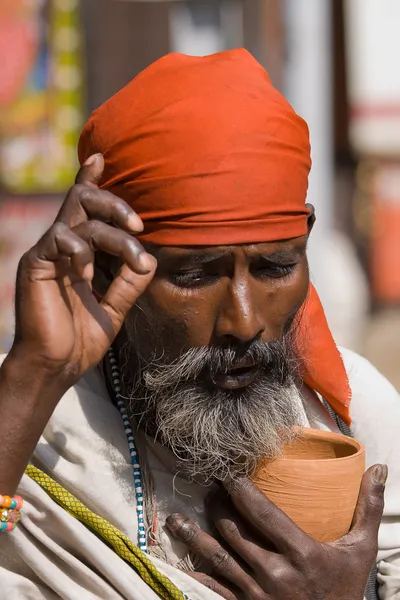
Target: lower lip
x,y
235,381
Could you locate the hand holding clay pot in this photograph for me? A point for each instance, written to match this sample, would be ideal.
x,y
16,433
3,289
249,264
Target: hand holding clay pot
x,y
264,555
316,482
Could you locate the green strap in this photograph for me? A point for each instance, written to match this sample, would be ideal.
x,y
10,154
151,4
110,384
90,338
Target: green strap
x,y
118,541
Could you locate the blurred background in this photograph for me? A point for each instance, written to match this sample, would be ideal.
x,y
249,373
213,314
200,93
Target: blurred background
x,y
336,62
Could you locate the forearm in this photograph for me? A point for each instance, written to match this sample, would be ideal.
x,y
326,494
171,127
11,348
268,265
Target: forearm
x,y
28,397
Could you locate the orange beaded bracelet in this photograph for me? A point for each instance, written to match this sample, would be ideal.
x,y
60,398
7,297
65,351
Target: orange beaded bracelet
x,y
14,503
9,512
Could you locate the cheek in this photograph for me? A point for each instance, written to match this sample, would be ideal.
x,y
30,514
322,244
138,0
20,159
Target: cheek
x,y
184,318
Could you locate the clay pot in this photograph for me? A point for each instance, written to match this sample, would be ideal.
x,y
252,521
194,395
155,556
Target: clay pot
x,y
316,482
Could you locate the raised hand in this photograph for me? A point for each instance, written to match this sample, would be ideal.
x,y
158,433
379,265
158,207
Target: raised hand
x,y
263,555
59,323
61,328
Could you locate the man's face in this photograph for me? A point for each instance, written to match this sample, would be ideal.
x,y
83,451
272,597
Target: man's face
x,y
210,356
227,295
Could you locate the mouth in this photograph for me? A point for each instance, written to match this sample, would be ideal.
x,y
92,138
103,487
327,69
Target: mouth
x,y
240,376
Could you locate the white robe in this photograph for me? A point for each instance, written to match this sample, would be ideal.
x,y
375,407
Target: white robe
x,y
51,555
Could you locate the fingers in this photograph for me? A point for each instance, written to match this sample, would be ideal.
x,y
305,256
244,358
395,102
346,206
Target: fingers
x,y
370,505
100,236
266,518
124,291
54,249
85,201
91,171
210,550
60,243
234,530
64,252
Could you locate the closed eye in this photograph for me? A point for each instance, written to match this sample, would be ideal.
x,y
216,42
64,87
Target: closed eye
x,y
194,278
209,273
273,270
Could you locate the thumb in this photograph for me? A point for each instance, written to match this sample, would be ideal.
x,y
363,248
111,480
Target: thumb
x,y
369,509
126,289
91,171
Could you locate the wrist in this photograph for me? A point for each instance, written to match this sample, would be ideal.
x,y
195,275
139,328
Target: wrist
x,y
29,394
22,368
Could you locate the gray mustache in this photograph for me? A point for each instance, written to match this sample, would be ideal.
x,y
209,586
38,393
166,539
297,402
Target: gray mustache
x,y
262,354
274,357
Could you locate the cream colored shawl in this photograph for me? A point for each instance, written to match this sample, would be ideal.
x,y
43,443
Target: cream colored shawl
x,y
51,555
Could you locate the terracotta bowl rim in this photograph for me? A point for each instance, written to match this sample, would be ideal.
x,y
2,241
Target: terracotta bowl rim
x,y
328,435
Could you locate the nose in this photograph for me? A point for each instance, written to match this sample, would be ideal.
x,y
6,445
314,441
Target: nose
x,y
240,318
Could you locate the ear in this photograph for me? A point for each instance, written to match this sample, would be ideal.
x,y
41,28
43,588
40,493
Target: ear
x,y
105,269
311,217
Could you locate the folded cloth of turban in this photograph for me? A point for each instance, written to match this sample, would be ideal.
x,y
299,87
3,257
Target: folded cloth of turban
x,y
208,152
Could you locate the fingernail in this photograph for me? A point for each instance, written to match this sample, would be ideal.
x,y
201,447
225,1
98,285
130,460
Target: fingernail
x,y
380,474
92,159
174,522
135,223
88,272
146,262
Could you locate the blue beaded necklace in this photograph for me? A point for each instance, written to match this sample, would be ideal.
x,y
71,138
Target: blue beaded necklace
x,y
137,474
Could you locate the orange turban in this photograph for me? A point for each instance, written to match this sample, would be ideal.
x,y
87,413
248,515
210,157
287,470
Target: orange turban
x,y
207,152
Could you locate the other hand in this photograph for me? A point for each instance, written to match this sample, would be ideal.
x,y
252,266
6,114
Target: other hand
x,y
263,555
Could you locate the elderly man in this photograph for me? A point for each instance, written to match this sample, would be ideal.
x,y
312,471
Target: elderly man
x,y
167,340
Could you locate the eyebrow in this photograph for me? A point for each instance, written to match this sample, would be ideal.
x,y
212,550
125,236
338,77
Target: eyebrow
x,y
204,257
283,255
197,258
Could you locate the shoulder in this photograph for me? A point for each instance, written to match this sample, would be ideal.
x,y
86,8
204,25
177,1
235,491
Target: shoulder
x,y
369,387
374,409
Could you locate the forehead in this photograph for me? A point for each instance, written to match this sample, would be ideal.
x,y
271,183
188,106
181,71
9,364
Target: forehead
x,y
283,250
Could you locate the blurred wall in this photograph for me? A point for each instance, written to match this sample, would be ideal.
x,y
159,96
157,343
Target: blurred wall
x,y
122,38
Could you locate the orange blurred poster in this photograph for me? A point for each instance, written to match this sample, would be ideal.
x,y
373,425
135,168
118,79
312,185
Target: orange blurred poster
x,y
41,94
385,233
